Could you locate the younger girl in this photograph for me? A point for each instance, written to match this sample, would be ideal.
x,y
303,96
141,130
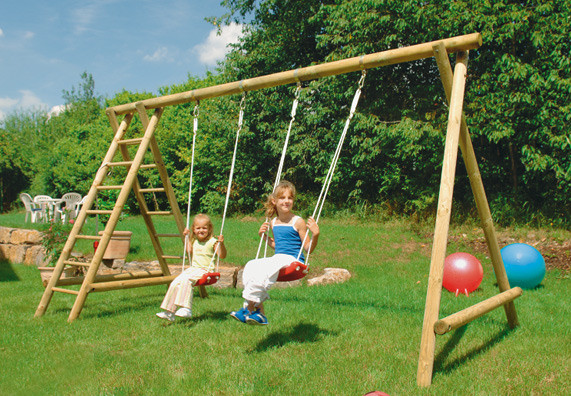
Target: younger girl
x,y
201,248
289,231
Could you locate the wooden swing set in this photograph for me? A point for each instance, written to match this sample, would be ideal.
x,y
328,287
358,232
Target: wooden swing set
x,y
456,135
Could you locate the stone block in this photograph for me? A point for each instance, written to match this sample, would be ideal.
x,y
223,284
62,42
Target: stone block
x,y
331,275
28,237
4,251
5,234
36,255
17,253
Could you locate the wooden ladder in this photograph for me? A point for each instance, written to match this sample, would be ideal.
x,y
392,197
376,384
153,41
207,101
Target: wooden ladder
x,y
91,281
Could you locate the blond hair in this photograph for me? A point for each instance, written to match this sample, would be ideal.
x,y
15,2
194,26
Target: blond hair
x,y
278,192
202,216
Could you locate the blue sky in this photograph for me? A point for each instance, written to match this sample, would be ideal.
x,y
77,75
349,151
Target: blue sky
x,y
140,45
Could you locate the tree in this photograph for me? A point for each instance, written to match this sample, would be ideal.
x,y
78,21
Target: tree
x,y
516,100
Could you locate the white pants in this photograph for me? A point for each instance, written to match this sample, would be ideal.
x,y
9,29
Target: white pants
x,y
259,276
179,293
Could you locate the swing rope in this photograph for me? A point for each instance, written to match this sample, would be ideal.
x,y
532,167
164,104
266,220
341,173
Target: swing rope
x,y
282,159
231,176
194,130
331,171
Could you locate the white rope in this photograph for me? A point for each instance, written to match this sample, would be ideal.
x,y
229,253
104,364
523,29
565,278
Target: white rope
x,y
331,171
282,159
194,130
240,122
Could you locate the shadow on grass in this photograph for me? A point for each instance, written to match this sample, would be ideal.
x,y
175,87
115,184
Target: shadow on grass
x,y
218,316
399,306
440,364
122,305
7,273
301,333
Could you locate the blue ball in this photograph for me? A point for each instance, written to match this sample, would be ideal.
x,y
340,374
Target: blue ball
x,y
524,265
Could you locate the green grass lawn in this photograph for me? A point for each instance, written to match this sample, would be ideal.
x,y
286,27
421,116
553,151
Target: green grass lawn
x,y
343,339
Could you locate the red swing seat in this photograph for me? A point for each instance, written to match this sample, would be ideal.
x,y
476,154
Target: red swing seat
x,y
209,278
296,270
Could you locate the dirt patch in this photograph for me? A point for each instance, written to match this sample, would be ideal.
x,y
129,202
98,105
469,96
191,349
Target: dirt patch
x,y
556,254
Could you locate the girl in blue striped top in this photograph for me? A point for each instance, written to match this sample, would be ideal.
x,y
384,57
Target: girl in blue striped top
x,y
289,231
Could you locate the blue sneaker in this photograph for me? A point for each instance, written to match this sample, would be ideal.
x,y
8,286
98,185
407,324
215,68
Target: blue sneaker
x,y
257,318
242,315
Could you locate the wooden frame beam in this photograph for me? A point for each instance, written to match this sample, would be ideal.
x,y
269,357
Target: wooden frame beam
x,y
467,315
384,58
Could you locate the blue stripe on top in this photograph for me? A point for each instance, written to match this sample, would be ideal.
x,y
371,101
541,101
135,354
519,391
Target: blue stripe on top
x,y
287,238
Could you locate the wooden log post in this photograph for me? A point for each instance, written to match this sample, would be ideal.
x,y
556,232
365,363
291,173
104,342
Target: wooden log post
x,y
467,315
475,177
131,283
385,58
78,280
434,292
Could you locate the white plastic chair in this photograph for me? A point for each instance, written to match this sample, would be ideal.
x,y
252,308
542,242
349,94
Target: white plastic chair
x,y
79,205
47,206
69,211
33,209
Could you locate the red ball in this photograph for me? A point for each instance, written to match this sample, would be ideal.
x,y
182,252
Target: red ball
x,y
463,273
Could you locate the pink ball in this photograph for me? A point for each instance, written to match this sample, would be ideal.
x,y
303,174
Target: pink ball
x,y
463,273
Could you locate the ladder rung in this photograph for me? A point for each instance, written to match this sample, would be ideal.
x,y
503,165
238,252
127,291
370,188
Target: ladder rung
x,y
120,163
68,291
77,263
146,190
99,211
130,141
92,237
148,166
172,257
159,213
109,187
168,235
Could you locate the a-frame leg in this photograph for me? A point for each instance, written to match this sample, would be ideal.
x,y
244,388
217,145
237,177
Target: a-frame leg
x,y
432,307
477,185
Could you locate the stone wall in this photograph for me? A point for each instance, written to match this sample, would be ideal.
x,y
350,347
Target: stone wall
x,y
21,246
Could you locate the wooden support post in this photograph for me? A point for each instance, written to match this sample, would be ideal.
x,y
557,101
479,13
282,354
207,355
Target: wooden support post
x,y
141,200
477,187
467,315
434,292
78,280
131,283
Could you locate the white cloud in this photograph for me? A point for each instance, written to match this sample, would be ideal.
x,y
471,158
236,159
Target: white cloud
x,y
29,35
1,33
83,17
6,104
161,54
27,100
57,110
215,46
